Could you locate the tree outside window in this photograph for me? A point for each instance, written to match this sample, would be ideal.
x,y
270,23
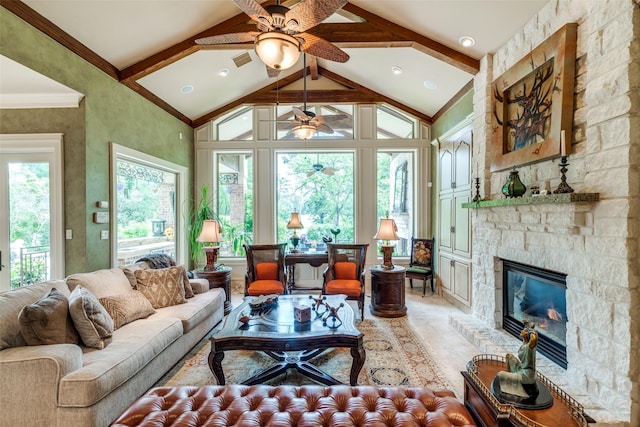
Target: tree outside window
x,y
319,186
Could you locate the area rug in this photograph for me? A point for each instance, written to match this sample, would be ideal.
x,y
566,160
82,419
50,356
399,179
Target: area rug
x,y
395,356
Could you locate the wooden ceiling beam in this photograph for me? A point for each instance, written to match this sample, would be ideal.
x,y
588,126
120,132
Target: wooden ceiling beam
x,y
353,93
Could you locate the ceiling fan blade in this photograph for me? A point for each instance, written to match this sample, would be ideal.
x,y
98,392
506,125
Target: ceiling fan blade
x,y
310,173
309,13
334,118
300,115
229,38
324,128
328,171
253,9
321,48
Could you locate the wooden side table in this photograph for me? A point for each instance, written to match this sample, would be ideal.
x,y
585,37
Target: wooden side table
x,y
220,278
387,292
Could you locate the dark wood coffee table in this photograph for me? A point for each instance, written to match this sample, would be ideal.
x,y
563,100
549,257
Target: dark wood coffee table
x,y
290,344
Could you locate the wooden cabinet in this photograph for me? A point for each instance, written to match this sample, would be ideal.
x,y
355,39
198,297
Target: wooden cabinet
x,y
454,221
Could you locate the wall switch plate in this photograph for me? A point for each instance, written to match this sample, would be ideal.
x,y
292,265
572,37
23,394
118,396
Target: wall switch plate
x,y
69,234
101,217
104,235
102,204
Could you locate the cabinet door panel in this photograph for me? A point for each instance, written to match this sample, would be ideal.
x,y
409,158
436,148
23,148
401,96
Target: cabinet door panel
x,y
446,170
445,271
462,161
445,223
461,282
462,216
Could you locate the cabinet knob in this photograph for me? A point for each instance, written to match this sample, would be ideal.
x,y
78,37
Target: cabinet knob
x,y
452,263
453,229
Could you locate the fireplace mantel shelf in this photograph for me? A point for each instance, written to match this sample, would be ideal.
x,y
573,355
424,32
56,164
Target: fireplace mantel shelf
x,y
535,200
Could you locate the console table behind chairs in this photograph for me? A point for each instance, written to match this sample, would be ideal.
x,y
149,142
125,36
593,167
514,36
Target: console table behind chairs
x,y
314,259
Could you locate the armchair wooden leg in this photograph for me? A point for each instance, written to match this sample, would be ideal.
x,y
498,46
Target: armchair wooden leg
x,y
411,283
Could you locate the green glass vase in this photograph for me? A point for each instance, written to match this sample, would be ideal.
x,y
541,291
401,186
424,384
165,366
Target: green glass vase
x,y
514,187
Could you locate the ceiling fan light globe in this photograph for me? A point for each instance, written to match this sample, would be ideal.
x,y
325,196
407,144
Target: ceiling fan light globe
x,y
277,49
304,131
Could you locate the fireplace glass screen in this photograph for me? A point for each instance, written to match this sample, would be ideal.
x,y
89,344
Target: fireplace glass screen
x,y
538,296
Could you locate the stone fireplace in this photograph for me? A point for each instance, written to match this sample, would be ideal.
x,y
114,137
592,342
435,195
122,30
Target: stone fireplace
x,y
536,295
595,244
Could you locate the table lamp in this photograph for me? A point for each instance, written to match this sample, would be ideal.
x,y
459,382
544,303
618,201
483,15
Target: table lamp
x,y
387,232
210,234
294,224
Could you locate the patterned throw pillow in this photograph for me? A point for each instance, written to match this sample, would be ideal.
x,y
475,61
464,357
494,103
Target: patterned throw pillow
x,y
163,287
47,321
91,319
127,307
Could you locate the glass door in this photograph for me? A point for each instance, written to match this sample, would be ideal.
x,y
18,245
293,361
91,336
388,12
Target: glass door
x,y
31,242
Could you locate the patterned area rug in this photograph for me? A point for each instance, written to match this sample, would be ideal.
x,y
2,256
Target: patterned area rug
x,y
394,356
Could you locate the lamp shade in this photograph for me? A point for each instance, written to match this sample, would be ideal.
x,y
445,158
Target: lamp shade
x,y
294,223
277,50
304,131
387,230
210,232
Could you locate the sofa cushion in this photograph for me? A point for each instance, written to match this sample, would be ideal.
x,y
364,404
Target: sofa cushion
x,y
11,302
127,307
91,319
134,346
162,287
196,310
101,283
47,321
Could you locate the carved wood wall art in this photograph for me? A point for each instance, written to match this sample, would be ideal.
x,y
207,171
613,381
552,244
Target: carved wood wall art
x,y
532,103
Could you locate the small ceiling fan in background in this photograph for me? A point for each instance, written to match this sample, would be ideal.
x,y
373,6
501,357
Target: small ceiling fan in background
x,y
306,123
281,32
319,167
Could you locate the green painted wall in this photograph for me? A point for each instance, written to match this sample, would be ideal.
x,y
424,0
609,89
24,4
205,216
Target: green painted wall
x,y
110,112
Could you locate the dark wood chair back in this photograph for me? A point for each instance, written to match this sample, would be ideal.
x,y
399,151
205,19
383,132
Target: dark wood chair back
x,y
421,262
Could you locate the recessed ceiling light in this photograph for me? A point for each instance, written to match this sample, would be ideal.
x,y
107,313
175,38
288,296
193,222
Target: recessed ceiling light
x,y
396,70
467,41
186,89
429,84
223,72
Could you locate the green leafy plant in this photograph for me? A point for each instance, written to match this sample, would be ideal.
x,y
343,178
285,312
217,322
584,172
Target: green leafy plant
x,y
201,212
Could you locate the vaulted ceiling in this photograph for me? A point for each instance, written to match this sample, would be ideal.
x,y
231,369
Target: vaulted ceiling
x,y
150,47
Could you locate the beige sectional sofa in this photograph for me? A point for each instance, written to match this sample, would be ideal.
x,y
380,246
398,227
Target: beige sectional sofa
x,y
69,385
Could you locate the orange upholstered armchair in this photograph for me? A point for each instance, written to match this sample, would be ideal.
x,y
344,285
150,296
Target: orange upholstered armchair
x,y
265,270
346,271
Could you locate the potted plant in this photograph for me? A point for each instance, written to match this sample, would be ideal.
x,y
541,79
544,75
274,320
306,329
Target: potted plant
x,y
202,211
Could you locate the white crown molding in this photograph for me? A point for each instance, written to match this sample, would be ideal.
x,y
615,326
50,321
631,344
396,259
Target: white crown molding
x,y
40,100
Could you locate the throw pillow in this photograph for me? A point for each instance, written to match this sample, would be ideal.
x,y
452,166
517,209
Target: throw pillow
x,y
127,307
93,322
162,287
101,283
267,271
47,321
188,290
345,270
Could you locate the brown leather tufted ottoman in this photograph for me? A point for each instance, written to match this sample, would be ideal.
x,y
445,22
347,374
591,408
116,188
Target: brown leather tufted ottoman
x,y
312,405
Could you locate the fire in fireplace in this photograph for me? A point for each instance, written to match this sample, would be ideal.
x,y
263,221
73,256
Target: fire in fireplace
x,y
539,296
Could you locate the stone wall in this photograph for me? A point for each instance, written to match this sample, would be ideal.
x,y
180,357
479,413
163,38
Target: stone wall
x,y
595,244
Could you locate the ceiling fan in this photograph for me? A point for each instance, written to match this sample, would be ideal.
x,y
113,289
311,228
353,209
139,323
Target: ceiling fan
x,y
281,32
318,167
306,123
